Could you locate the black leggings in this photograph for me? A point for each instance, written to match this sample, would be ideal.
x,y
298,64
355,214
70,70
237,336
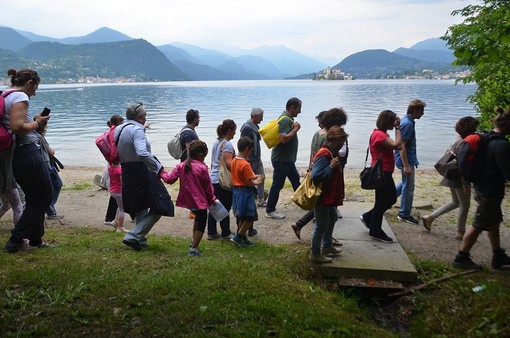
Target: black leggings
x,y
200,219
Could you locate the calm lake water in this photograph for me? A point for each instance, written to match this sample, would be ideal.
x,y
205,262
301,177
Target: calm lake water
x,y
80,112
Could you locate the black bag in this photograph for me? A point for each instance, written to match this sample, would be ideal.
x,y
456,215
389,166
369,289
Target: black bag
x,y
372,177
159,199
448,166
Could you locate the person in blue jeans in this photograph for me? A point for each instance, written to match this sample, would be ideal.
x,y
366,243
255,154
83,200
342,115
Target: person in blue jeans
x,y
406,160
283,156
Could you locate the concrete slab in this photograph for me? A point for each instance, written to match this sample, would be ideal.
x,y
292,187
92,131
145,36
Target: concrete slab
x,y
363,257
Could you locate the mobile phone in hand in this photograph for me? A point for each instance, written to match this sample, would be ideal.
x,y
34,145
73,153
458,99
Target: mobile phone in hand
x,y
46,111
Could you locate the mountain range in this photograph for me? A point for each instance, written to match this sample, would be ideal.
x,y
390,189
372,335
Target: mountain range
x,y
106,53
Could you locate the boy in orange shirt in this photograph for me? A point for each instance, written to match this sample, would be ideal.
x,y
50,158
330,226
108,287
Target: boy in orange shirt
x,y
244,191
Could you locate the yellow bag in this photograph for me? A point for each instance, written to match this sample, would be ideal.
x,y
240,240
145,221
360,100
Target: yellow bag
x,y
308,193
271,133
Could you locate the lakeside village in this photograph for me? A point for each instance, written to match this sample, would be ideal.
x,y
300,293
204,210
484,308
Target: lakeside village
x,y
426,74
323,75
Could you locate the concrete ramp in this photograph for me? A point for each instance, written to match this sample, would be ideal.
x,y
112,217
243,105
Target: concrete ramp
x,y
365,258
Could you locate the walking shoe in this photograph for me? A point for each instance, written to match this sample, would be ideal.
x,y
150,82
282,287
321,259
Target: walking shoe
x,y
381,237
247,242
331,251
237,240
107,222
193,252
463,261
297,230
213,237
364,223
336,242
320,259
227,237
500,258
275,215
427,222
408,219
54,216
261,204
13,247
112,224
252,232
459,236
132,244
45,245
121,230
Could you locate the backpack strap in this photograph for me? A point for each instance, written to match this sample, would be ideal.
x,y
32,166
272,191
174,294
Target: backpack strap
x,y
120,132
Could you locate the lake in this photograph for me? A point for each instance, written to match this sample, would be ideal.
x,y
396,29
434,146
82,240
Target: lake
x,y
79,112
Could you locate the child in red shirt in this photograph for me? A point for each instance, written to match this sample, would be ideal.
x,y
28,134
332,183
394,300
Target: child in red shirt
x,y
244,191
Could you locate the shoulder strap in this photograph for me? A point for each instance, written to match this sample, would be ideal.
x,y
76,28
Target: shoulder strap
x,y
323,151
120,132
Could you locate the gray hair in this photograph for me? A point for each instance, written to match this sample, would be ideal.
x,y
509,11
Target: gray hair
x,y
135,110
256,112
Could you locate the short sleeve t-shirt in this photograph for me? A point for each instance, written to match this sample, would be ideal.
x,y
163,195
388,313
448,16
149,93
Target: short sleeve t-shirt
x,y
241,172
408,134
376,147
286,152
187,136
215,157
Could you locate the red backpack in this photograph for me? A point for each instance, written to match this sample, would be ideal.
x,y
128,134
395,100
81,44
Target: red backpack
x,y
108,145
6,136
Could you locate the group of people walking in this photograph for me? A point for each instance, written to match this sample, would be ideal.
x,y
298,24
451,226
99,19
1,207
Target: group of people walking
x,y
202,187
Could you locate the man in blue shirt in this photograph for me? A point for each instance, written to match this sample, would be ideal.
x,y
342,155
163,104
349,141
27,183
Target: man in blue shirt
x,y
406,160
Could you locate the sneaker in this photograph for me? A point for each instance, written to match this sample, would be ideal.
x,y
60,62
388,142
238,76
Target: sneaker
x,y
409,219
336,242
213,237
13,247
427,223
107,222
499,259
112,224
121,230
364,223
381,237
54,217
237,240
262,204
459,236
252,232
45,245
331,251
297,230
227,237
247,242
275,215
320,259
464,261
133,245
193,252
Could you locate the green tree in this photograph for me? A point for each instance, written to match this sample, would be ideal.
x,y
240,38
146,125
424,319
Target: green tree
x,y
482,42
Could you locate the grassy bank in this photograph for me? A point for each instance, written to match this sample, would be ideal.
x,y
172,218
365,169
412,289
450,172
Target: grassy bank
x,y
90,285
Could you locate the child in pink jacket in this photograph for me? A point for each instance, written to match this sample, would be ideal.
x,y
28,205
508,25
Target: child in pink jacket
x,y
196,191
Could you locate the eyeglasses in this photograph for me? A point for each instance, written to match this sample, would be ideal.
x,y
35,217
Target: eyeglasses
x,y
139,104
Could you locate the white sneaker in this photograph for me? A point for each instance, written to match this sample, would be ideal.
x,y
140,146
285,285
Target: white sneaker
x,y
275,214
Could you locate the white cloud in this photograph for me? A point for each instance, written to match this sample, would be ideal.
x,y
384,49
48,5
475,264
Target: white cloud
x,y
332,28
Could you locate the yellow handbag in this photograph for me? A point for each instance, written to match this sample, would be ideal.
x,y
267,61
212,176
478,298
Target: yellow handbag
x,y
271,133
308,193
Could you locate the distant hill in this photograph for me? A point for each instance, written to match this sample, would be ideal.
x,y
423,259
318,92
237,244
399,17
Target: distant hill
x,y
103,34
136,59
379,63
430,50
12,40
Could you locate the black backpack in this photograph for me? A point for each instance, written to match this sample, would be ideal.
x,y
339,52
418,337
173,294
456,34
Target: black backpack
x,y
470,155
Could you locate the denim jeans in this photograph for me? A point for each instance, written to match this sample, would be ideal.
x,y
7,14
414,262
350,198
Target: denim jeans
x,y
144,221
405,189
56,182
281,170
325,219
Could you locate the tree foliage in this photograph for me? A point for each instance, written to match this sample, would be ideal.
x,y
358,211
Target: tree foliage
x,y
482,42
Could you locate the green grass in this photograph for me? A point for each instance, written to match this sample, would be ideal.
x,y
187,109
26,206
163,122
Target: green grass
x,y
92,285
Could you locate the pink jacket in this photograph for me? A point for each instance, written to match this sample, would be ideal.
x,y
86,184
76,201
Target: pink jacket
x,y
196,190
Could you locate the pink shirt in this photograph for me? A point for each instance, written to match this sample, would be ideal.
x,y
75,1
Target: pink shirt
x,y
196,190
115,172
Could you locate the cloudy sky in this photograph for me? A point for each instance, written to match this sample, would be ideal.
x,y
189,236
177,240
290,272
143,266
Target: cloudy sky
x,y
330,29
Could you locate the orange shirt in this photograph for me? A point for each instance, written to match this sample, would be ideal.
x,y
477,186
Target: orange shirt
x,y
241,172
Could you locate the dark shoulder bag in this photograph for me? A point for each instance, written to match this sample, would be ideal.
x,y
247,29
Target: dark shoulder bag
x,y
372,177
